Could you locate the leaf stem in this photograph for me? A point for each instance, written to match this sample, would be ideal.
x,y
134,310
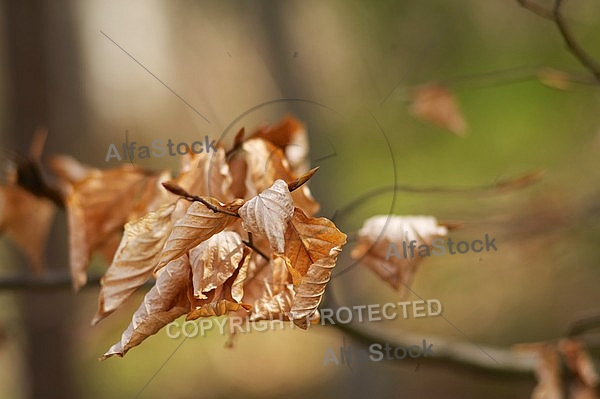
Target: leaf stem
x,y
180,191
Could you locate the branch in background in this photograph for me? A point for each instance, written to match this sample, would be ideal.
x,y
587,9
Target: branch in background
x,y
537,9
555,15
463,355
585,323
571,42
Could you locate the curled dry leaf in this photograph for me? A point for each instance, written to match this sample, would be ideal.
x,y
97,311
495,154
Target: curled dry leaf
x,y
197,225
26,219
268,214
268,289
312,246
218,308
215,260
273,306
222,299
552,383
258,165
207,174
379,232
579,361
134,260
68,169
290,136
436,104
99,205
548,375
165,302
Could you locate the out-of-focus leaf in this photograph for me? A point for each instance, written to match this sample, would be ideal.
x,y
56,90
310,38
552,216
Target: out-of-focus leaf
x,y
290,136
436,104
68,169
268,214
134,260
554,78
215,260
198,225
548,374
26,219
207,174
579,361
378,232
99,205
165,302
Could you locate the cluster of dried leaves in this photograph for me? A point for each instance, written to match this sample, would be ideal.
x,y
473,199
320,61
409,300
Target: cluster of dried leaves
x,y
232,232
564,370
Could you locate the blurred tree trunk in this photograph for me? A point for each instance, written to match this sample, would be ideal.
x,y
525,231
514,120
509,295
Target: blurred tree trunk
x,y
44,91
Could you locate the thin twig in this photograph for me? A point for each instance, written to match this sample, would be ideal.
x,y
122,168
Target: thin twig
x,y
502,186
572,43
178,190
584,324
462,355
250,244
555,15
537,9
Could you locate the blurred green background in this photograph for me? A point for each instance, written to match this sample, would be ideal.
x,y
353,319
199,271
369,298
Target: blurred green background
x,y
59,70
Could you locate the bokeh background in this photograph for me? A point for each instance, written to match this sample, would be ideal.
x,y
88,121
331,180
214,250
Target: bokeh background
x,y
331,64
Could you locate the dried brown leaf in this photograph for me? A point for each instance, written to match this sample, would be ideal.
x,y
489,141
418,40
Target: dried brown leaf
x,y
258,165
68,169
290,136
268,214
26,219
207,174
224,298
218,308
99,205
215,260
548,374
436,104
378,232
312,246
198,225
554,78
272,305
165,302
135,259
579,361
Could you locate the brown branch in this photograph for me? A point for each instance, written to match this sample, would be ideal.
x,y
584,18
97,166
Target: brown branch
x,y
178,190
537,9
462,355
555,15
588,322
572,43
250,244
